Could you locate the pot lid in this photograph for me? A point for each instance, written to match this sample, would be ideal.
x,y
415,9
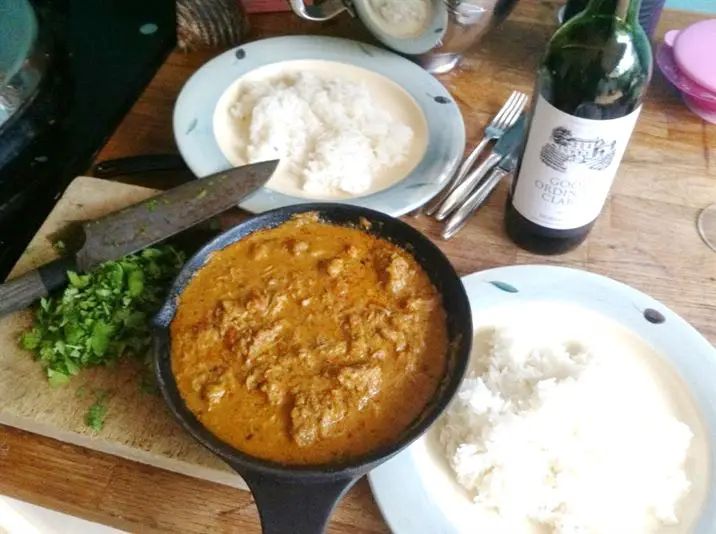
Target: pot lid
x,y
694,49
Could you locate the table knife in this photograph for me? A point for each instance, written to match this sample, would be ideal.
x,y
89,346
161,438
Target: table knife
x,y
457,220
139,226
505,145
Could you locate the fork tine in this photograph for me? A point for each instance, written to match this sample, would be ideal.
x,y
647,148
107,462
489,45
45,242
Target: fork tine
x,y
522,104
497,118
510,112
516,111
503,120
504,109
524,99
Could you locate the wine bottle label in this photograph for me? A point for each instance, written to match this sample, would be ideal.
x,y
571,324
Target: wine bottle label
x,y
568,166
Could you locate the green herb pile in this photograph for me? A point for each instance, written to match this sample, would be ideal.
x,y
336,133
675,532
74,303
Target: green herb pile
x,y
94,418
103,315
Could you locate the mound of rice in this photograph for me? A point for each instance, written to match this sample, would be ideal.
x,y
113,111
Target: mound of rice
x,y
403,15
334,136
554,434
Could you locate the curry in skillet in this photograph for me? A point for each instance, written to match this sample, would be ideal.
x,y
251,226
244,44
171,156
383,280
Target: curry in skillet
x,y
309,343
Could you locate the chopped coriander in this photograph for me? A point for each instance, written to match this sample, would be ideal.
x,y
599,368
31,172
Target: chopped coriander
x,y
59,246
102,315
56,378
152,204
94,418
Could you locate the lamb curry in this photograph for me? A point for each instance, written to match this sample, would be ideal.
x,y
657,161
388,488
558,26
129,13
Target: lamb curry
x,y
309,343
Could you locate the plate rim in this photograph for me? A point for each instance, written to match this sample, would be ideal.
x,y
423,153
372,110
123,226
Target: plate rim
x,y
503,283
192,116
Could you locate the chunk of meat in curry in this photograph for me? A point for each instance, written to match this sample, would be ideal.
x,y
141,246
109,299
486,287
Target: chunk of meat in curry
x,y
309,343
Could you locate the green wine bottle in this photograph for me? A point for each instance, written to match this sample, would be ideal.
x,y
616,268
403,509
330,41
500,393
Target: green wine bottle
x,y
573,7
648,14
588,96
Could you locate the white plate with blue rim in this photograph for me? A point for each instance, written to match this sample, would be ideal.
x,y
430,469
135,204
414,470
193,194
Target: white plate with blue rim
x,y
202,122
416,490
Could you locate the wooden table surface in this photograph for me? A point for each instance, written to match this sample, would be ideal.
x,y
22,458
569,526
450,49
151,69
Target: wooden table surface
x,y
646,237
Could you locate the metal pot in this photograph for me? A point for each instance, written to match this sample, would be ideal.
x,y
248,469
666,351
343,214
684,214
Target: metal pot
x,y
300,499
436,36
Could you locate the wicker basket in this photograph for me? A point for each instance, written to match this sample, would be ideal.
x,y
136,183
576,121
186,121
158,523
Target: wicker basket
x,y
210,23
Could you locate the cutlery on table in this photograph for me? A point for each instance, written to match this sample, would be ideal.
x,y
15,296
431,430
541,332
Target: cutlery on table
x,y
505,167
139,226
504,146
505,118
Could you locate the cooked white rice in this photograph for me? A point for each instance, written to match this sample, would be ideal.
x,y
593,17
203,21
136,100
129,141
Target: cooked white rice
x,y
403,15
331,132
554,434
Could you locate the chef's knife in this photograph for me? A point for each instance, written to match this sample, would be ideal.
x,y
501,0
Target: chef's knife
x,y
504,146
507,166
137,227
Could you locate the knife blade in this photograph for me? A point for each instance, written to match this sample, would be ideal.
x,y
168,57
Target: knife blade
x,y
459,218
504,146
139,226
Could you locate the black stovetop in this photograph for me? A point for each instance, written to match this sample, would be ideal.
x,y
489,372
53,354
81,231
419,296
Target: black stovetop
x,y
104,53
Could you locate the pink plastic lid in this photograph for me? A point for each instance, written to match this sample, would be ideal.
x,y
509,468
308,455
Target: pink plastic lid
x,y
695,52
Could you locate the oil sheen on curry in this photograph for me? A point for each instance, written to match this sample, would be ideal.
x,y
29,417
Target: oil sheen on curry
x,y
309,343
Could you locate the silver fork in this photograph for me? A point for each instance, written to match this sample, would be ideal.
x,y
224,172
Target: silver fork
x,y
505,118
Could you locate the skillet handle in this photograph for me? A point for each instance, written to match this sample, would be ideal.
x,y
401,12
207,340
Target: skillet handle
x,y
291,507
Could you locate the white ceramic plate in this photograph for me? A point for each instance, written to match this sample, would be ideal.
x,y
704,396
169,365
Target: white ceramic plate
x,y
410,91
416,491
18,517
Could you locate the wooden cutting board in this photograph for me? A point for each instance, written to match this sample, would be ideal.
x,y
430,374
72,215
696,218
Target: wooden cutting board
x,y
137,426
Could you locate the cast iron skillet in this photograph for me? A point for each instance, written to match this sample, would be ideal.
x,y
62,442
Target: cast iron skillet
x,y
300,499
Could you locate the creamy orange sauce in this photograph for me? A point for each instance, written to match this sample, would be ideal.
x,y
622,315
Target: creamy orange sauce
x,y
309,343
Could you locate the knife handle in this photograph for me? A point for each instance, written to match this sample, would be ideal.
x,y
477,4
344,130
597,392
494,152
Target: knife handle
x,y
460,217
138,164
458,178
460,193
22,291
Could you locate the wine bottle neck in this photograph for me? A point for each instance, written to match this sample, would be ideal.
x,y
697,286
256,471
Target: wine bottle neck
x,y
627,10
